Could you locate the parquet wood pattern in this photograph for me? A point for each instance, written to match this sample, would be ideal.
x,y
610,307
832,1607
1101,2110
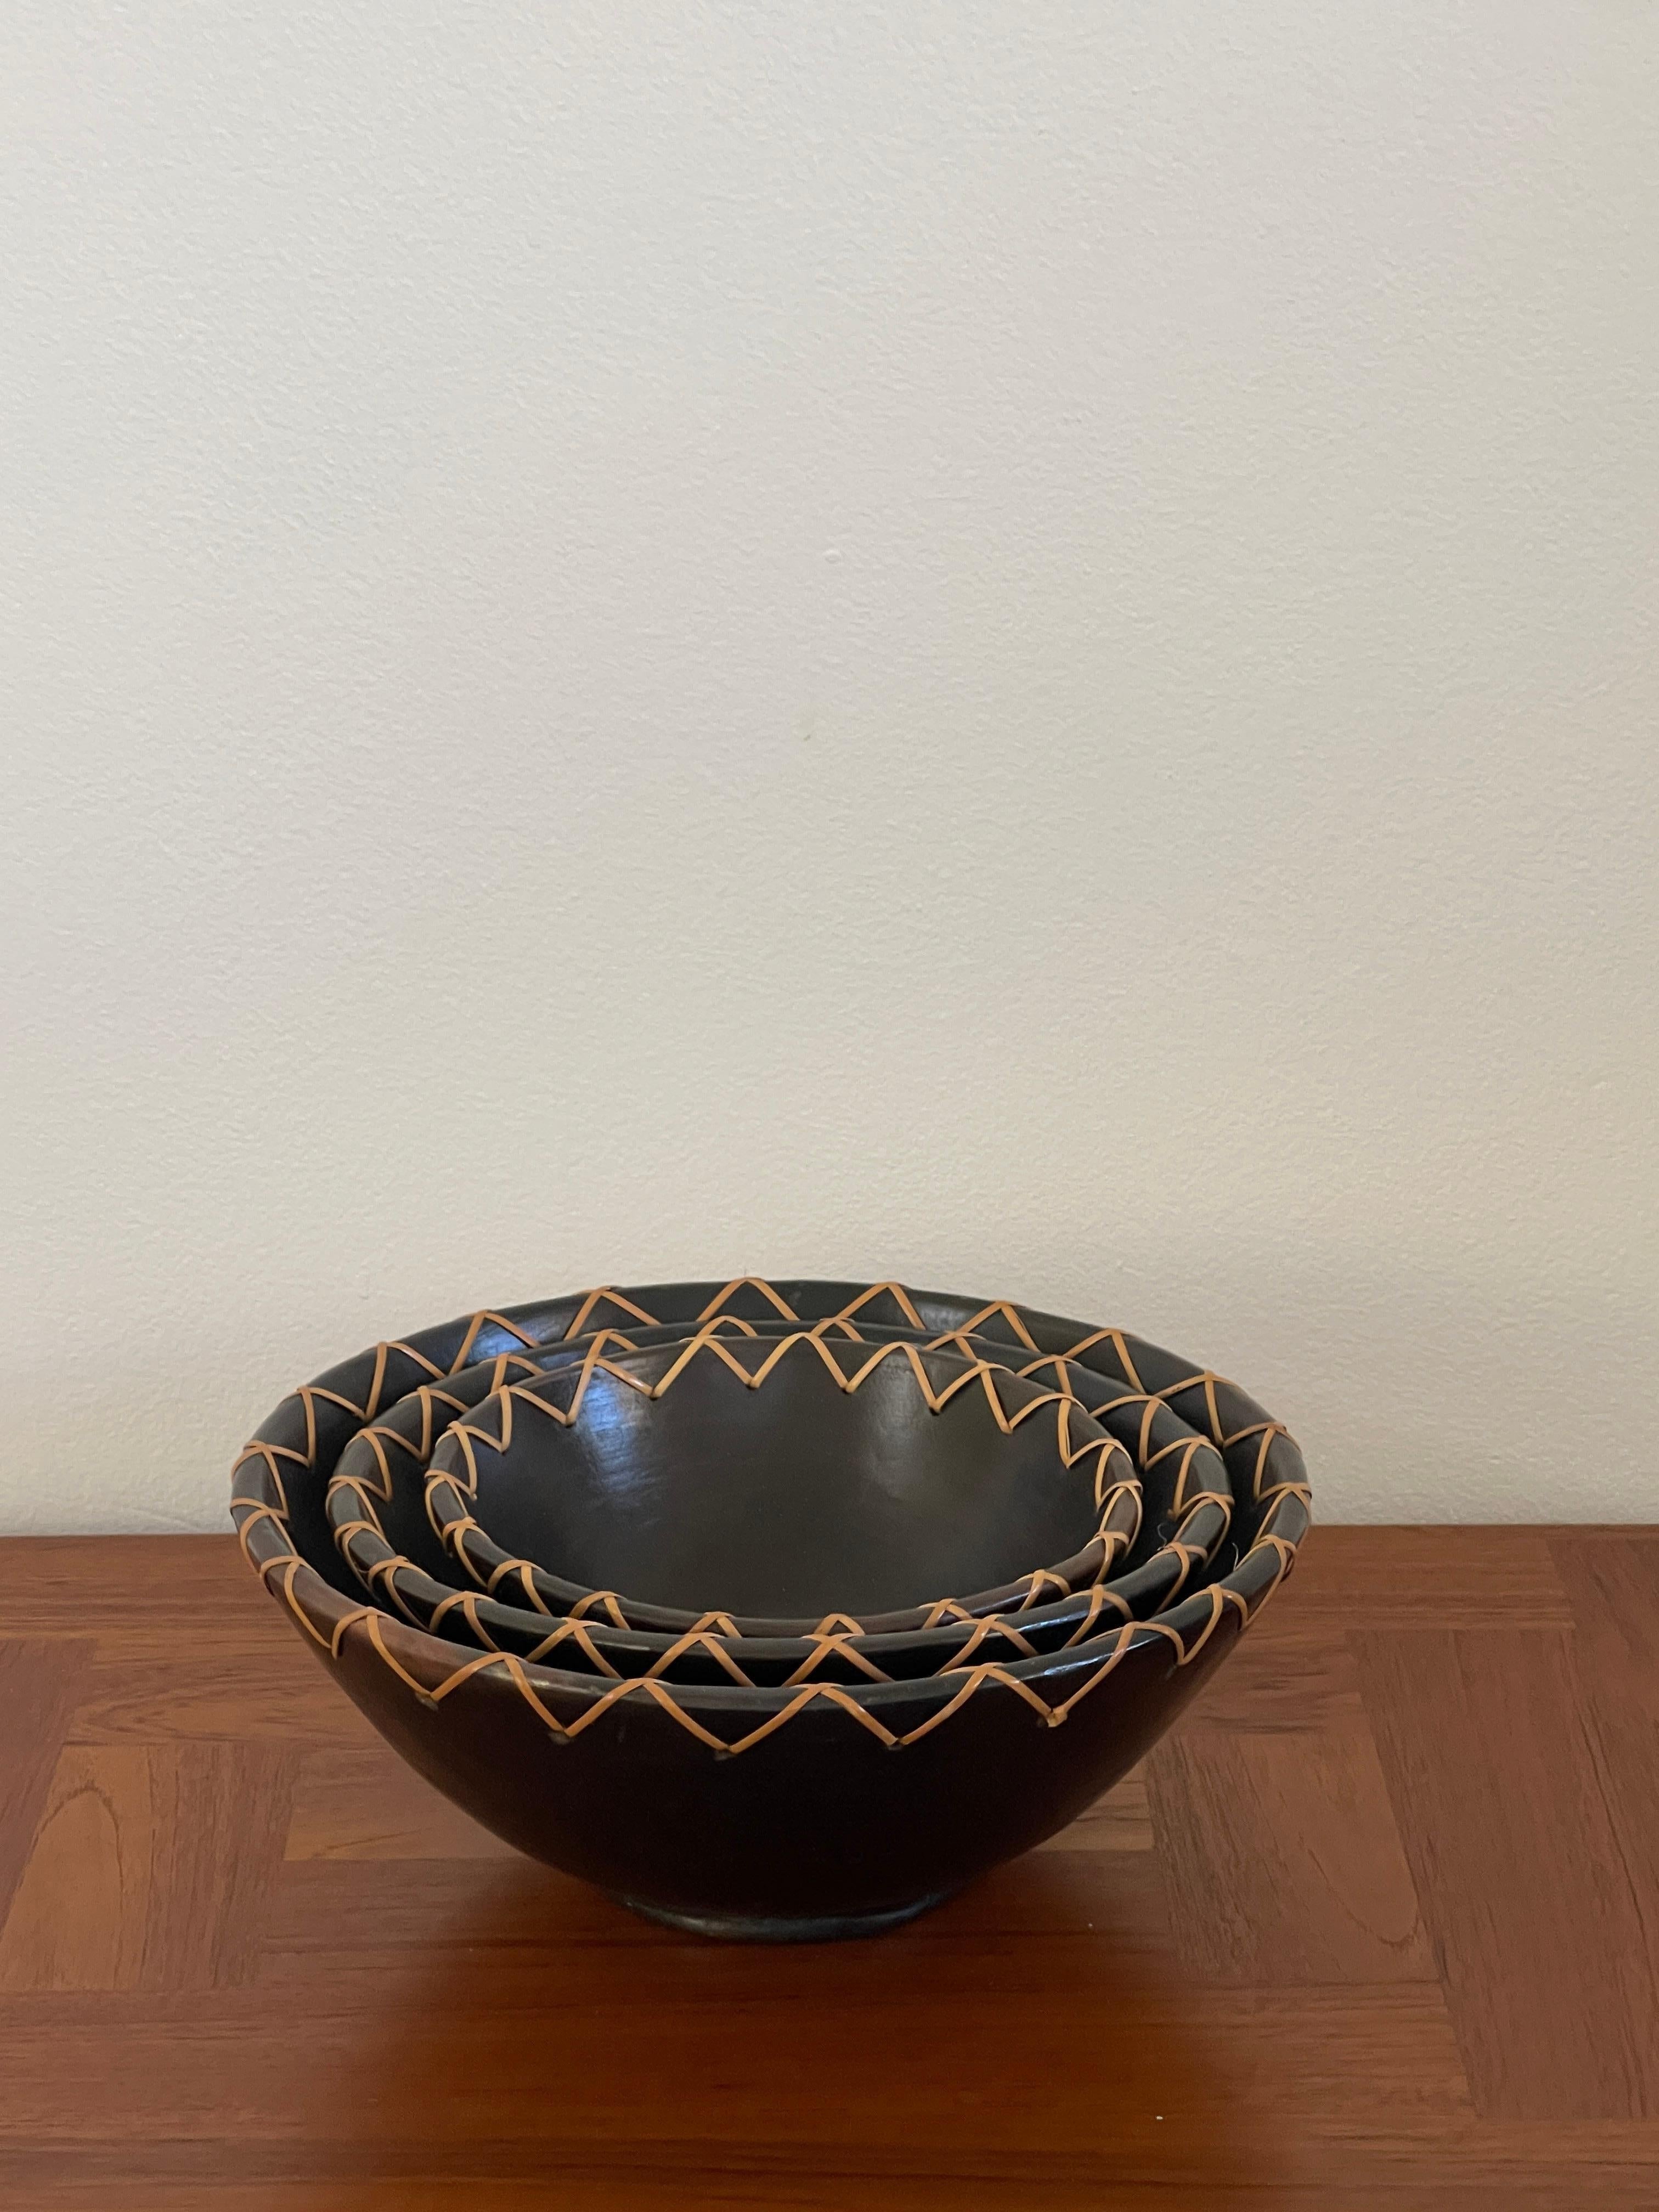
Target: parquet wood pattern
x,y
1518,1869
1377,1927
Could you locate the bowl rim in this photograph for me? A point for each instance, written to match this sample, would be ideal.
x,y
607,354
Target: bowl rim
x,y
352,1504
261,1509
940,1376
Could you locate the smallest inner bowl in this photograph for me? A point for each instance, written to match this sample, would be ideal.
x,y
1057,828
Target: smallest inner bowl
x,y
792,1481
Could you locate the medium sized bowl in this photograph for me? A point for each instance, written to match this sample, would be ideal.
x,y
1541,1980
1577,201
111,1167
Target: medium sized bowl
x,y
375,1504
784,1487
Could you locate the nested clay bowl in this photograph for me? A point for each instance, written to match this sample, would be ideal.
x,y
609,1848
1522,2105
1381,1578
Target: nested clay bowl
x,y
806,1812
374,1503
780,1486
378,1483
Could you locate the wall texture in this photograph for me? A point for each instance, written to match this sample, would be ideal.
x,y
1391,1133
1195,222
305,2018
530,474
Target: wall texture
x,y
1011,646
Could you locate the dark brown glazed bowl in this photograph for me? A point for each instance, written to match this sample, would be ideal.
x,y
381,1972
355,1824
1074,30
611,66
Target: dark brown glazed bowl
x,y
818,1811
377,1495
784,1487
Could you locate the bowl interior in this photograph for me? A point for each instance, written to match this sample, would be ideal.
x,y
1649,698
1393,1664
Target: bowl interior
x,y
798,1496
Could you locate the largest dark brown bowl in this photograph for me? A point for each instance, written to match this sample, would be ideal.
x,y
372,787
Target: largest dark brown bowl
x,y
740,1811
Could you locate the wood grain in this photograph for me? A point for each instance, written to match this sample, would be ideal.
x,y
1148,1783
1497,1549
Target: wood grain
x,y
1614,1589
150,1869
1371,1932
1121,1820
1284,1860
1529,1900
1439,1577
39,1686
364,1803
1284,1675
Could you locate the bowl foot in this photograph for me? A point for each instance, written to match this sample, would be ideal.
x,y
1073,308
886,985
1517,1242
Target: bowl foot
x,y
756,1928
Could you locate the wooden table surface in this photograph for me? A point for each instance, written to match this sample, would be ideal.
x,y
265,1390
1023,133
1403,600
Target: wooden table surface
x,y
1379,1926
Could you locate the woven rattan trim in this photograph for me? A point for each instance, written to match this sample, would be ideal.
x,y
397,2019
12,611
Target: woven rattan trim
x,y
1204,1380
449,1491
382,1567
716,1635
287,1566
261,1522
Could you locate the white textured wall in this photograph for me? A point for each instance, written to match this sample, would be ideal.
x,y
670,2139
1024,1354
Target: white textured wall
x,y
1015,647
